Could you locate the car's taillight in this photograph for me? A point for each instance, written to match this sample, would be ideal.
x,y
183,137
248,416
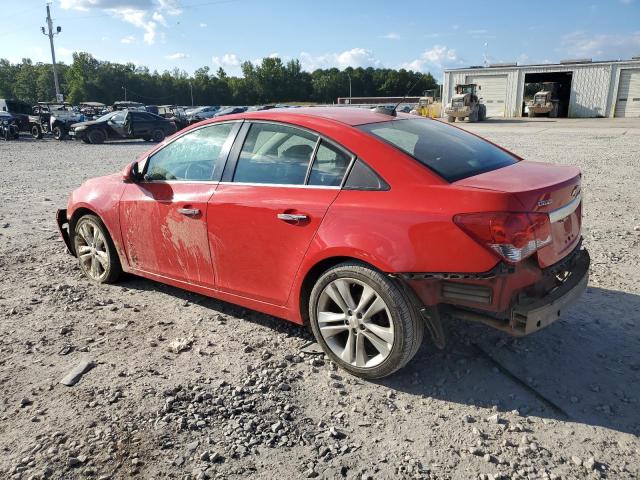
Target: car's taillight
x,y
513,236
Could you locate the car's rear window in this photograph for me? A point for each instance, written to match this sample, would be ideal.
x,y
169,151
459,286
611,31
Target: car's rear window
x,y
450,152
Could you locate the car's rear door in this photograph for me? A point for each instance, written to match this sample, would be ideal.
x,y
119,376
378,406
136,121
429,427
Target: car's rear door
x,y
163,217
268,207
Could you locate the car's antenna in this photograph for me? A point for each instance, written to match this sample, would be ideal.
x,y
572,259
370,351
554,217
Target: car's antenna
x,y
393,112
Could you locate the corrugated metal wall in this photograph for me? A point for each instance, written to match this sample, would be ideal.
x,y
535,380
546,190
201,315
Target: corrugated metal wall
x,y
593,86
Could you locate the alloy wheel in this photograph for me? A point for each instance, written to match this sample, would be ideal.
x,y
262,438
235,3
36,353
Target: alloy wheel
x,y
91,247
355,322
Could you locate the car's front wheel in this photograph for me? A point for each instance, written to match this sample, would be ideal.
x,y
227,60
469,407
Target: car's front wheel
x,y
95,250
98,136
364,320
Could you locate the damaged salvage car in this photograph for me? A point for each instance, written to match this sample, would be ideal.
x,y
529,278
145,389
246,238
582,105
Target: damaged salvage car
x,y
367,226
123,124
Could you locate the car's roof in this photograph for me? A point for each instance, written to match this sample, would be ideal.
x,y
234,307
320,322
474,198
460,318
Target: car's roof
x,y
347,115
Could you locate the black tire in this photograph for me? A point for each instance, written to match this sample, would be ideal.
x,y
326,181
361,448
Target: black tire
x,y
58,132
408,326
451,119
36,132
86,140
98,136
483,113
158,135
108,273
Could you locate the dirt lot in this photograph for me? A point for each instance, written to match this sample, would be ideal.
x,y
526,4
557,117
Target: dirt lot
x,y
243,401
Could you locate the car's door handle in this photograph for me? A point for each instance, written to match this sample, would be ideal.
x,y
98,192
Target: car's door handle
x,y
190,212
293,217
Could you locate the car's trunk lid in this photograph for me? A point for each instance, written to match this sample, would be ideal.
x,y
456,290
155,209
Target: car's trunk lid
x,y
541,187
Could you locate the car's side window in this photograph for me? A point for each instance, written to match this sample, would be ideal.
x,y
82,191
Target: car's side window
x,y
329,166
193,156
275,154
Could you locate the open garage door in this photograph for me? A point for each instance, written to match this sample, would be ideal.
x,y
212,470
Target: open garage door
x,y
628,101
493,92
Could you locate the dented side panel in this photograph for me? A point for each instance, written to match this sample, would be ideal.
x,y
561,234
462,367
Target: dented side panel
x,y
162,232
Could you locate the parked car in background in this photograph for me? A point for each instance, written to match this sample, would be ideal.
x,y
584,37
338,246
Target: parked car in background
x,y
151,109
174,113
259,108
9,129
367,226
19,109
230,111
201,113
52,118
126,105
92,110
123,124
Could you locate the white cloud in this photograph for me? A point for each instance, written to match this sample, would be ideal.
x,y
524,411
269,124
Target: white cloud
x,y
392,36
203,25
129,39
438,56
143,14
228,60
64,53
177,56
356,57
609,46
158,17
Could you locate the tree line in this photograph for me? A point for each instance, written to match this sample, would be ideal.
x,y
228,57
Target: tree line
x,y
271,81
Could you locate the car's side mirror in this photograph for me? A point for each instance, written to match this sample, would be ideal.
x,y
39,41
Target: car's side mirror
x,y
131,173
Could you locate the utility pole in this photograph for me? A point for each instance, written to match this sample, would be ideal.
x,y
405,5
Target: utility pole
x,y
191,88
125,93
349,76
50,33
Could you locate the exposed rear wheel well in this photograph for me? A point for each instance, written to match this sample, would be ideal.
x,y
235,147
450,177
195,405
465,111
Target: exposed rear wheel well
x,y
312,276
77,214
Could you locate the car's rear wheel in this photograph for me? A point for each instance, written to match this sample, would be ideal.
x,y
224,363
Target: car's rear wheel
x,y
451,119
95,250
97,136
364,320
158,135
36,132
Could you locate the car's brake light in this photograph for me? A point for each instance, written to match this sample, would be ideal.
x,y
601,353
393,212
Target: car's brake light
x,y
513,236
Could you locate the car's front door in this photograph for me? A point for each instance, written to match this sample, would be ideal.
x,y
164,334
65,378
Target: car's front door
x,y
164,217
117,126
268,207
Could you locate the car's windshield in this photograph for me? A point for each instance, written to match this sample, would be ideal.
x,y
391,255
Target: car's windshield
x,y
450,152
105,117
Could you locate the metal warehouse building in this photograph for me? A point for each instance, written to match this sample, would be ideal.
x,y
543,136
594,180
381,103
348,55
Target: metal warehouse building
x,y
586,88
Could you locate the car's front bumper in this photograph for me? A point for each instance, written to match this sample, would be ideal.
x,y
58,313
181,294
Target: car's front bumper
x,y
63,227
518,300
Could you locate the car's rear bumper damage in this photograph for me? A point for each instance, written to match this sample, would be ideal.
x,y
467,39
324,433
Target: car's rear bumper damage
x,y
519,299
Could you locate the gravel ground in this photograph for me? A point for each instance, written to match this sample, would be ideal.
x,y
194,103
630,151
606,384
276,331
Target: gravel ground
x,y
189,387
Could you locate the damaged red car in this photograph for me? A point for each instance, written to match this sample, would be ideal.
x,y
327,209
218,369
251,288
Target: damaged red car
x,y
368,226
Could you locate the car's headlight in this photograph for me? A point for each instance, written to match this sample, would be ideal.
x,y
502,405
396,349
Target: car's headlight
x,y
80,128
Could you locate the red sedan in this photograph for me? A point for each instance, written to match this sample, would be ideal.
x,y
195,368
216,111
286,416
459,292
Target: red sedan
x,y
367,226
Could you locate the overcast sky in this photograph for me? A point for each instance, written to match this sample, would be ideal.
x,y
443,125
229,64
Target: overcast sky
x,y
421,35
